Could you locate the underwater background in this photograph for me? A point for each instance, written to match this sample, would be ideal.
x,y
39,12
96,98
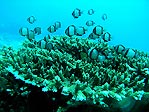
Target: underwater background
x,y
127,20
74,56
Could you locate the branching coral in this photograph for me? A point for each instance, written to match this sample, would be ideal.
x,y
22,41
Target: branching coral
x,y
68,69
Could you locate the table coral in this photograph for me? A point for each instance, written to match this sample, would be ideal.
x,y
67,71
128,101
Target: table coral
x,y
67,69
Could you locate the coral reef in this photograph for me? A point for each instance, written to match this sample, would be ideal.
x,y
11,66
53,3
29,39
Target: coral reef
x,y
71,73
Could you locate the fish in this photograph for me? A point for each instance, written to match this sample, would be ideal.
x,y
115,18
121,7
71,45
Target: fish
x,y
98,30
23,31
91,12
93,36
119,48
93,53
70,31
37,30
90,23
27,33
47,38
52,29
129,53
76,13
44,44
49,46
106,36
41,44
81,31
104,17
31,35
73,30
57,25
31,19
101,57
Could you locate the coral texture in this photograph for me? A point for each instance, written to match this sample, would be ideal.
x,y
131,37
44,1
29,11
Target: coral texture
x,y
69,68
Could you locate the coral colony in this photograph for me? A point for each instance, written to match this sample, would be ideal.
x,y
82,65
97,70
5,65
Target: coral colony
x,y
63,73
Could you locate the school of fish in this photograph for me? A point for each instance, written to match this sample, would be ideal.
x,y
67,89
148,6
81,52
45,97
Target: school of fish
x,y
98,33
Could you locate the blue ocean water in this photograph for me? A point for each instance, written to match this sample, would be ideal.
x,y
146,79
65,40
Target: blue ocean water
x,y
128,20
